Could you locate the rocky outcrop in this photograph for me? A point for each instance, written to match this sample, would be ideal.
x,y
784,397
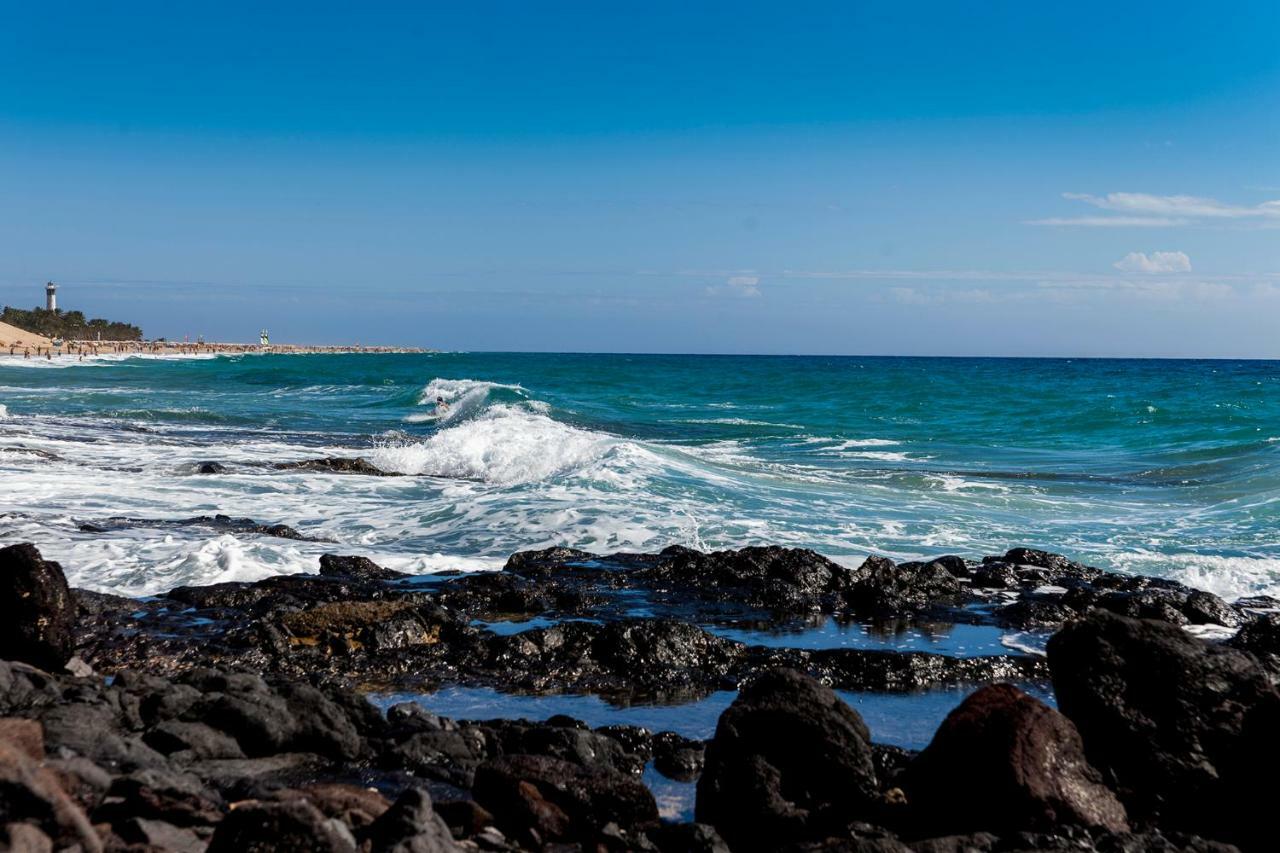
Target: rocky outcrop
x,y
337,465
37,612
1022,765
1179,725
771,578
789,761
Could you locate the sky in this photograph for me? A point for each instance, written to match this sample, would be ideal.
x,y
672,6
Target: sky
x,y
912,178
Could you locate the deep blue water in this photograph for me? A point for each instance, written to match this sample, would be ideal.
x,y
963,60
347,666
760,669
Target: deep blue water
x,y
1161,467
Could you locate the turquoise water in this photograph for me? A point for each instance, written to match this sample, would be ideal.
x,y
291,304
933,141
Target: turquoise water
x,y
1159,467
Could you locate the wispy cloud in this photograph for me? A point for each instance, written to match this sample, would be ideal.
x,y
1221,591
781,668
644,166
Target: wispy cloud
x,y
745,285
1146,210
1156,262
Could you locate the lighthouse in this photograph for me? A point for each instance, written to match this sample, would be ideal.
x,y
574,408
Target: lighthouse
x,y
51,296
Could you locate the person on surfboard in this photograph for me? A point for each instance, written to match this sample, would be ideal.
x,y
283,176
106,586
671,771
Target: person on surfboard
x,y
441,406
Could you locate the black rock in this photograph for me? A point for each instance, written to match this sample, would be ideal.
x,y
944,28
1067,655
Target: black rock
x,y
789,761
1205,608
1022,765
211,468
677,757
773,578
411,825
880,587
1261,637
333,565
37,612
543,799
337,465
1181,726
296,825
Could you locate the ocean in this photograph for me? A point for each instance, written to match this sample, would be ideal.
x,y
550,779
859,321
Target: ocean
x,y
1168,468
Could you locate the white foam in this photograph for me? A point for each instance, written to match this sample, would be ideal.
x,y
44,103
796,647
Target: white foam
x,y
505,445
1227,577
4,412
465,398
1216,633
738,422
1032,644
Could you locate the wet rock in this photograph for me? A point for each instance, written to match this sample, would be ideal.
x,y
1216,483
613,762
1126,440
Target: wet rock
x,y
94,730
464,818
343,626
660,644
997,575
448,756
545,561
210,468
561,738
689,838
355,806
1180,725
1036,611
789,761
880,587
1205,608
30,793
334,565
176,798
221,523
891,763
1162,604
194,740
158,835
1261,637
411,825
37,612
677,757
255,826
1059,568
337,465
240,778
543,799
773,578
1023,768
293,718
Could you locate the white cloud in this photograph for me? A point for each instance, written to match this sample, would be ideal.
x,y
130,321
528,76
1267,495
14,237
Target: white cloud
x,y
1156,262
745,285
1146,210
1110,221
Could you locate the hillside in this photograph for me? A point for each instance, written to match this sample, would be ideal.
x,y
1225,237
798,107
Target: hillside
x,y
13,336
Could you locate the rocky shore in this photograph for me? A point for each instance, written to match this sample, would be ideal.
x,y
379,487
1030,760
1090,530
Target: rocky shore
x,y
237,717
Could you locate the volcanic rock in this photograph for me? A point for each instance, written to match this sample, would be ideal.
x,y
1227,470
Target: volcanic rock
x,y
1023,768
37,612
789,761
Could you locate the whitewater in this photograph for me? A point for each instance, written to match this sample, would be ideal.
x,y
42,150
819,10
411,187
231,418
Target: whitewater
x,y
1156,467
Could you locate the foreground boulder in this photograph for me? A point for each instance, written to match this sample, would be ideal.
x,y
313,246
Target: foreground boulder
x,y
789,761
37,612
1180,726
540,800
1022,765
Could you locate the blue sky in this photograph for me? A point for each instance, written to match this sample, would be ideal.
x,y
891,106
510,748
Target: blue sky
x,y
1003,178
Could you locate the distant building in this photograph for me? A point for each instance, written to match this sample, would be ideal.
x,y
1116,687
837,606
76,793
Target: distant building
x,y
51,296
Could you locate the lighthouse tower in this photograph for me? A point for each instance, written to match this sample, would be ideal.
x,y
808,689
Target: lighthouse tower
x,y
51,296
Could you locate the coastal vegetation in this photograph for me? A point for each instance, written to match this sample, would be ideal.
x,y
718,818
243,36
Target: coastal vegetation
x,y
69,325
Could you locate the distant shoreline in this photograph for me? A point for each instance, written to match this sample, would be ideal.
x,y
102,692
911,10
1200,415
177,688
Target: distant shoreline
x,y
78,349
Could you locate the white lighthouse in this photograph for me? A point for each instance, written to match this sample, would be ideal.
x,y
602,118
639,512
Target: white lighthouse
x,y
51,296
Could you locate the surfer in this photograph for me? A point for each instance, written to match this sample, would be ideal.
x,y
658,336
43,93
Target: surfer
x,y
441,406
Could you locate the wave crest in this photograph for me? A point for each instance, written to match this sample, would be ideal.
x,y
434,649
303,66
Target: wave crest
x,y
505,445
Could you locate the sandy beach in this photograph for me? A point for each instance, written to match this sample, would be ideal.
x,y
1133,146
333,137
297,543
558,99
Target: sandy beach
x,y
19,343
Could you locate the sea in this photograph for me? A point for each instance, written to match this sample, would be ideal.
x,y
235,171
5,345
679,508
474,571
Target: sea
x,y
1168,468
